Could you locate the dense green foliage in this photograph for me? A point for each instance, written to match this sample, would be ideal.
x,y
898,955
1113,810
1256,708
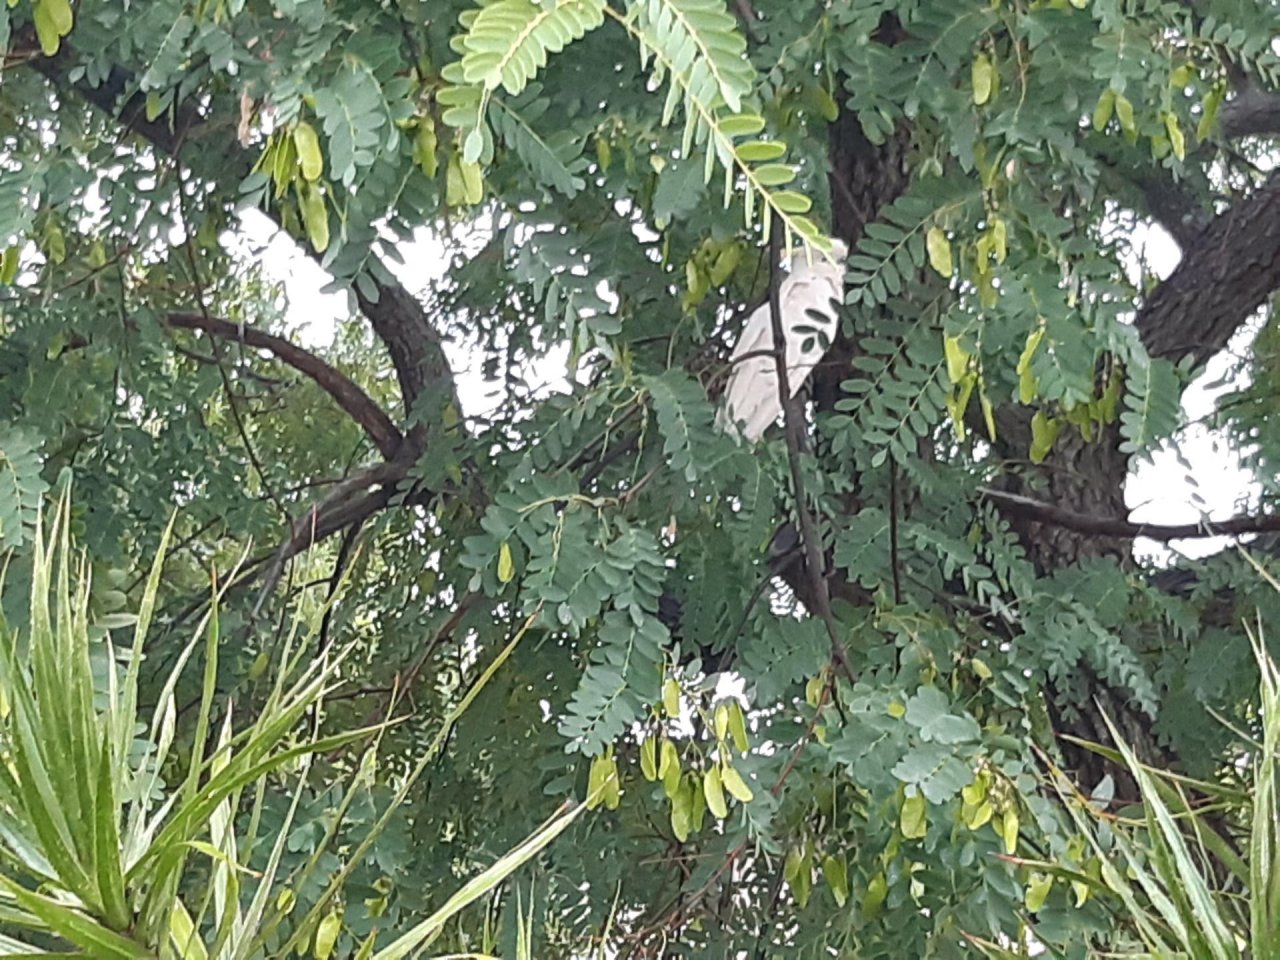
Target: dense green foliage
x,y
613,169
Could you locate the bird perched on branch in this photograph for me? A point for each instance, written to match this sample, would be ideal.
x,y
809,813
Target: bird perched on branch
x,y
751,401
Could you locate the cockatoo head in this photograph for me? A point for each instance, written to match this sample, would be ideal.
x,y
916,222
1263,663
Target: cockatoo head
x,y
839,251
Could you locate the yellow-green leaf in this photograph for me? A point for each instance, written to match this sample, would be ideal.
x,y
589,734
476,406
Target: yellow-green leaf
x,y
725,263
1037,891
813,689
604,154
649,759
939,249
53,21
1028,386
1044,431
464,183
671,698
788,201
984,79
425,144
1000,239
837,877
761,151
1009,831
988,412
669,768
957,358
913,820
1104,109
1124,113
978,815
682,814
720,720
308,145
506,566
738,727
713,790
798,874
9,265
60,14
1176,139
736,786
327,936
873,899
315,217
1209,111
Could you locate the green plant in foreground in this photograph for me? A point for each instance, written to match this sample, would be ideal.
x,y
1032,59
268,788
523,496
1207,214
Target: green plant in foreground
x,y
1185,887
97,855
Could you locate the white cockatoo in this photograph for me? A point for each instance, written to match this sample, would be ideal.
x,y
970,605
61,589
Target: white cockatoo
x,y
751,401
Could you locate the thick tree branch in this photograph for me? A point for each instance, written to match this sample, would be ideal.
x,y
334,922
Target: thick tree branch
x,y
415,347
358,404
1226,274
1027,508
351,502
1251,113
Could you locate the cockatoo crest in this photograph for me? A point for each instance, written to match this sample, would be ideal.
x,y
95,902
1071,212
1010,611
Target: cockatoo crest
x,y
751,399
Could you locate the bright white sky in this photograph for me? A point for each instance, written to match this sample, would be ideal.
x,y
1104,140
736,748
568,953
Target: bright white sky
x,y
1210,482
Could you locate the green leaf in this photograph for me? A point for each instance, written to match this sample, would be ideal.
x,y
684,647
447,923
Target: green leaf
x,y
1037,892
736,786
315,217
509,41
984,79
837,876
53,21
327,936
1104,109
913,821
506,567
713,790
939,248
307,144
649,758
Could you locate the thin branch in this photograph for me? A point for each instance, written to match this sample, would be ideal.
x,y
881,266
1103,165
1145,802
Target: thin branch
x,y
361,407
232,400
335,580
792,419
1040,512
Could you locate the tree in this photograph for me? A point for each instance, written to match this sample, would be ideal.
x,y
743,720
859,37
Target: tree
x,y
925,573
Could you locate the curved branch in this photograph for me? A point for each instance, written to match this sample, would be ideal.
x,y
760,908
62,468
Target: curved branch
x,y
398,319
358,404
1030,509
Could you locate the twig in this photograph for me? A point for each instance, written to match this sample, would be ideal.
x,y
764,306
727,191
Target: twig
x,y
792,419
1030,509
893,530
335,580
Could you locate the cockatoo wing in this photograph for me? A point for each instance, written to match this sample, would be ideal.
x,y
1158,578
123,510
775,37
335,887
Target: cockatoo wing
x,y
751,395
809,317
